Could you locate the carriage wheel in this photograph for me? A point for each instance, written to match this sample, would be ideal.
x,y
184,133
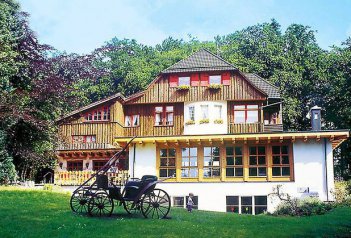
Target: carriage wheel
x,y
131,207
100,204
156,204
79,200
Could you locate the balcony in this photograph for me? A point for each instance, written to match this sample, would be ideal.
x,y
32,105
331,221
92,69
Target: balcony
x,y
245,128
85,146
273,127
76,178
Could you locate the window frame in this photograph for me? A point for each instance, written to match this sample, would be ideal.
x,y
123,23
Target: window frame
x,y
74,165
210,168
100,162
131,119
235,166
257,165
246,109
215,75
101,114
184,77
167,167
191,113
281,165
164,115
189,166
84,139
202,111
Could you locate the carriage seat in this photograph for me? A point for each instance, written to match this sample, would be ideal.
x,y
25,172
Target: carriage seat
x,y
134,186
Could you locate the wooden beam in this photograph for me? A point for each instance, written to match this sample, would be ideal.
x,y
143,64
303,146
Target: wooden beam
x,y
257,140
281,139
292,139
305,139
233,141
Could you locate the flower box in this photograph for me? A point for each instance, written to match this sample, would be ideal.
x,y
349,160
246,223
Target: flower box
x,y
214,86
204,121
190,122
183,87
218,121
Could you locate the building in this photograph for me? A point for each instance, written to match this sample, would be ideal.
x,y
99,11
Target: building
x,y
218,130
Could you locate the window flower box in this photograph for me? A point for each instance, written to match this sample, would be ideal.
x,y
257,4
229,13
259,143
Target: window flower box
x,y
183,87
214,86
204,121
218,121
189,122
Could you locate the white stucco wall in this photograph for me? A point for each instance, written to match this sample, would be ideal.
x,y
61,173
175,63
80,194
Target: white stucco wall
x,y
207,128
309,172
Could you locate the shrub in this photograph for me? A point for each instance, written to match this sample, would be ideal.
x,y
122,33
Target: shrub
x,y
304,207
342,192
204,121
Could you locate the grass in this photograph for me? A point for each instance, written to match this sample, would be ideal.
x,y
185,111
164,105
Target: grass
x,y
28,213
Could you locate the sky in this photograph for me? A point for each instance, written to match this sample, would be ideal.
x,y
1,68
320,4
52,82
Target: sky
x,y
80,26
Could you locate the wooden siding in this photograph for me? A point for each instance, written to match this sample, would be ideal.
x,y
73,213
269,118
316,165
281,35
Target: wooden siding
x,y
147,122
244,128
105,131
160,92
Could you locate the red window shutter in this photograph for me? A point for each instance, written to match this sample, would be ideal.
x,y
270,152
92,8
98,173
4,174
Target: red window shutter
x,y
226,78
173,80
194,80
204,79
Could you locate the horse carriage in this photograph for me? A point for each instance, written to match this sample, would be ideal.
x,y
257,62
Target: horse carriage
x,y
138,195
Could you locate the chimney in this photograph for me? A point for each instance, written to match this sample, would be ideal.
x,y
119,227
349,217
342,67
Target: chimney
x,y
315,114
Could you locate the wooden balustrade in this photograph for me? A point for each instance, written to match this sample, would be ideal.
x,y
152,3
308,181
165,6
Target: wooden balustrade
x,y
85,146
245,128
78,177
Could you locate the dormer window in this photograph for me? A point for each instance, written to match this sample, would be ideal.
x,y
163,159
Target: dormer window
x,y
215,79
184,81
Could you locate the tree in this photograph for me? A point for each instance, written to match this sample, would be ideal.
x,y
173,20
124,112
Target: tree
x,y
7,168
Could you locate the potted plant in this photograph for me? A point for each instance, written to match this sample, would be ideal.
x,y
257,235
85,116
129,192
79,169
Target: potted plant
x,y
189,122
183,87
214,86
204,121
218,121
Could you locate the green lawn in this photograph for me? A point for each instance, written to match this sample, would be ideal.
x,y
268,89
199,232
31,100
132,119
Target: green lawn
x,y
26,213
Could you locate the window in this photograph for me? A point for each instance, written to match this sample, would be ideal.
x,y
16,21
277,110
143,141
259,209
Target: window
x,y
215,79
211,162
100,114
245,114
270,118
182,201
164,115
131,121
184,81
191,113
178,202
189,163
83,139
204,111
234,158
75,165
246,205
167,162
232,203
281,162
260,204
257,161
218,111
98,164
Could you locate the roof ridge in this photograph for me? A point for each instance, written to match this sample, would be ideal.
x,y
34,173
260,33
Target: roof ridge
x,y
219,57
181,60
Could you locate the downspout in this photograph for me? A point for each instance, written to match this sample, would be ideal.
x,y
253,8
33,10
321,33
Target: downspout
x,y
326,167
133,159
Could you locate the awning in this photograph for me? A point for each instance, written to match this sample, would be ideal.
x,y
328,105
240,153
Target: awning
x,y
335,136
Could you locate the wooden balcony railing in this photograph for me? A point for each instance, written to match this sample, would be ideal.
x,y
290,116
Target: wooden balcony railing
x,y
245,128
273,127
78,177
85,146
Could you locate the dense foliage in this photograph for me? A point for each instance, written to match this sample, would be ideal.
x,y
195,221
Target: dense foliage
x,y
38,84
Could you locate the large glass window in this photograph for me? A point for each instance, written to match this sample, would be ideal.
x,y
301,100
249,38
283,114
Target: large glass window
x,y
281,161
234,158
211,162
245,114
232,203
189,163
167,162
246,205
257,161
